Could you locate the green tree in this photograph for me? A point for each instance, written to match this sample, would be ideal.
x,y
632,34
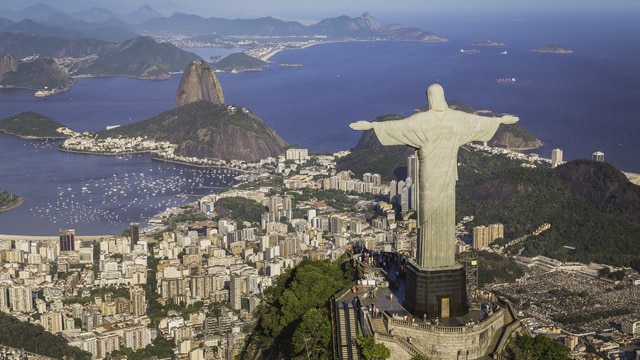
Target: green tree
x,y
312,337
525,347
372,350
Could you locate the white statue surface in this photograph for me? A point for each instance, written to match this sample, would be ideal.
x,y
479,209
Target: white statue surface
x,y
436,135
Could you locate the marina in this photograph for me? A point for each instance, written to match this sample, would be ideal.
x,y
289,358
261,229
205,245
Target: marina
x,y
104,194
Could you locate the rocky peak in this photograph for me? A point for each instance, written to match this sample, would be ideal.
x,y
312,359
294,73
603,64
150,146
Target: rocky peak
x,y
368,21
8,63
199,82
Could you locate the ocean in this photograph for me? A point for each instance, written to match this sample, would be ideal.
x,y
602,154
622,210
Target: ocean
x,y
581,103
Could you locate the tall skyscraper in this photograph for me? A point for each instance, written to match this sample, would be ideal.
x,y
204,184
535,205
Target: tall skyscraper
x,y
235,291
67,239
134,233
598,156
556,157
393,189
411,167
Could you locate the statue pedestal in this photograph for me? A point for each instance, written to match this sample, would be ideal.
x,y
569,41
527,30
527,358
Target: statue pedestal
x,y
439,292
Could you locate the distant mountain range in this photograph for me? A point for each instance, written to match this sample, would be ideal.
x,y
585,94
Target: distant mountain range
x,y
104,24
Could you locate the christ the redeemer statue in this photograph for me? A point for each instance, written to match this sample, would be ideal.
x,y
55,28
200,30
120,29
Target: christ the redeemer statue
x,y
436,135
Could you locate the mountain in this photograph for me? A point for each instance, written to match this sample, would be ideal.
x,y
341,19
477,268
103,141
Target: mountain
x,y
37,74
94,14
363,27
141,57
199,82
206,130
514,137
33,28
593,209
238,62
8,63
32,125
35,12
346,26
141,14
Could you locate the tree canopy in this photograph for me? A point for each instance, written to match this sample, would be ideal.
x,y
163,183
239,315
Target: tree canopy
x,y
293,318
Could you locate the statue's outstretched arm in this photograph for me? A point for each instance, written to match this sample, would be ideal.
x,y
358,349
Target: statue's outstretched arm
x,y
361,125
508,119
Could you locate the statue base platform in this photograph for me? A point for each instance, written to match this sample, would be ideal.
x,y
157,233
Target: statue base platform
x,y
438,292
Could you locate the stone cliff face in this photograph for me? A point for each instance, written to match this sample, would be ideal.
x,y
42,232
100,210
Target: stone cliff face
x,y
8,63
199,82
513,137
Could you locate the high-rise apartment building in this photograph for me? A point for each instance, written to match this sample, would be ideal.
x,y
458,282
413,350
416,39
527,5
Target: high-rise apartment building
x,y
138,301
20,298
67,240
485,235
134,233
52,322
106,344
137,337
556,157
235,290
411,167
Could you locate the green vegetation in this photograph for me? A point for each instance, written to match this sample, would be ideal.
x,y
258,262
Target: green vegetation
x,y
239,209
336,199
616,275
34,338
594,211
8,200
525,347
140,57
592,317
31,124
293,318
206,130
41,73
494,268
371,350
239,62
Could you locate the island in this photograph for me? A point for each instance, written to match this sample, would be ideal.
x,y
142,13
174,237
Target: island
x,y
31,125
487,42
554,49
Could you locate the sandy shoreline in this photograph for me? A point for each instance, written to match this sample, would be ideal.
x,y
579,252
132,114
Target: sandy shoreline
x,y
268,55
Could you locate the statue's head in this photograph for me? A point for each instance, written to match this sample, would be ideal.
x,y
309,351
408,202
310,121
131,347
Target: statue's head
x,y
435,96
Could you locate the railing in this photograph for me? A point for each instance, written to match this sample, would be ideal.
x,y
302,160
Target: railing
x,y
445,329
504,337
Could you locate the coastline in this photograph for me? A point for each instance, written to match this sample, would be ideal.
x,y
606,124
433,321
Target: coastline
x,y
273,52
12,206
52,237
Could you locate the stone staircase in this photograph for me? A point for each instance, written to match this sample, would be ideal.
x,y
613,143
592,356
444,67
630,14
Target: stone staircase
x,y
347,331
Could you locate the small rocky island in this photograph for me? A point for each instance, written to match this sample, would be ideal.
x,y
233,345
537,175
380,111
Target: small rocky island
x,y
554,49
487,42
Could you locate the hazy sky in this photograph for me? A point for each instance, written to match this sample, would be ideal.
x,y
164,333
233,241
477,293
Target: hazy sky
x,y
311,10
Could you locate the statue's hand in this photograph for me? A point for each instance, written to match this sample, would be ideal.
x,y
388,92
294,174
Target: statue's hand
x,y
509,119
361,125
